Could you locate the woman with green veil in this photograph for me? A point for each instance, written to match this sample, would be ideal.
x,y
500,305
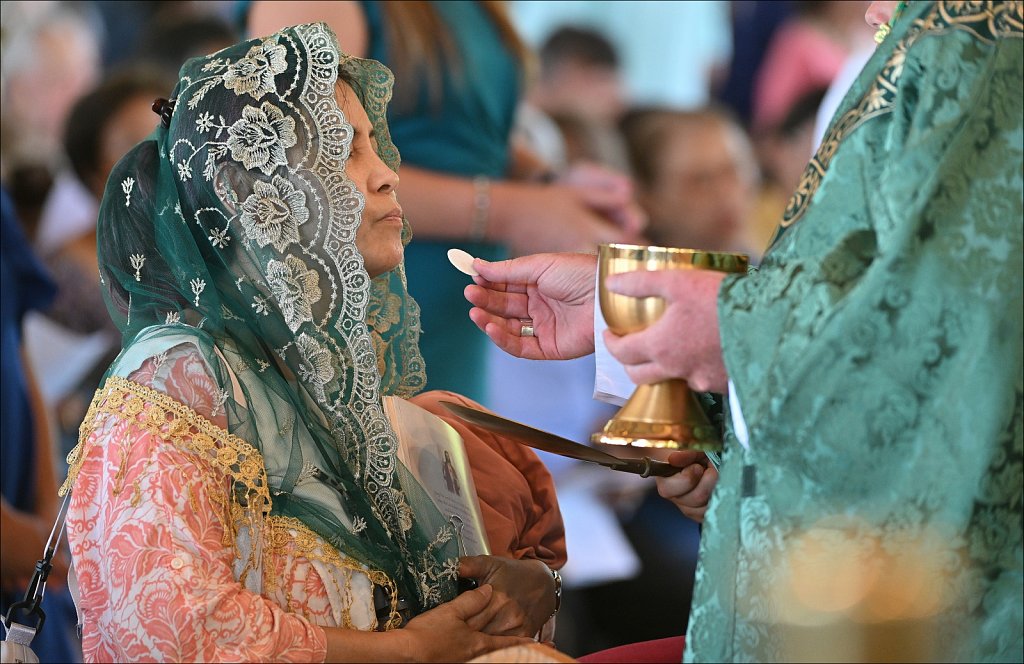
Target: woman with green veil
x,y
236,493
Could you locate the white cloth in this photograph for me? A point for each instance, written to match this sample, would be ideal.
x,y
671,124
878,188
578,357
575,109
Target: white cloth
x,y
837,90
70,211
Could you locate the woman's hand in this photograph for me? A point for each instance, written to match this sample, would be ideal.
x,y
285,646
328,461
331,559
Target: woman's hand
x,y
563,216
555,291
684,342
690,488
452,632
524,592
22,542
608,192
456,630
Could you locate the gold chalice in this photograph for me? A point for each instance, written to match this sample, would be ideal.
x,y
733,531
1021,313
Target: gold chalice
x,y
664,414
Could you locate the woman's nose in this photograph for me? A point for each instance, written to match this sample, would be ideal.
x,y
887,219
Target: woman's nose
x,y
387,178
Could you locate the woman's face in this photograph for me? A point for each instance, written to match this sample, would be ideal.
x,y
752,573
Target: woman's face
x,y
879,13
379,236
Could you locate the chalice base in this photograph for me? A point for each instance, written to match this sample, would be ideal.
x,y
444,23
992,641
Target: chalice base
x,y
664,415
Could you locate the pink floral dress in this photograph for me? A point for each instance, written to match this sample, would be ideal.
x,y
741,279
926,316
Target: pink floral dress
x,y
164,549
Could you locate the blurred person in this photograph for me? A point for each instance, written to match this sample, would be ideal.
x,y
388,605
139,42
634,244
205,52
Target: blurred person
x,y
753,23
50,58
873,363
695,178
579,96
689,39
169,39
783,151
570,108
251,249
579,76
102,126
459,68
28,488
806,53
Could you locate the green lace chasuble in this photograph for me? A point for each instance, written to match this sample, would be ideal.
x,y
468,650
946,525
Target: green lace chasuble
x,y
877,353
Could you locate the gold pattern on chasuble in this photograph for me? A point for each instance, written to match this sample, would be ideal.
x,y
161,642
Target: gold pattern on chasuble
x,y
986,21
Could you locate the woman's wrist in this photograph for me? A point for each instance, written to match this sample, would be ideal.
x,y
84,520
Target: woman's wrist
x,y
481,208
509,205
557,580
352,645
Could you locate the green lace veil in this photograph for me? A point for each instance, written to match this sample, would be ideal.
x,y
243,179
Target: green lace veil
x,y
233,228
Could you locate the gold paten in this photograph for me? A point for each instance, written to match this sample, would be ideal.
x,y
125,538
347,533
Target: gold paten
x,y
664,414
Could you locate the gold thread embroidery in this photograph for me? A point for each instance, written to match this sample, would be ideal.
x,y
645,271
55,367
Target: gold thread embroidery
x,y
985,21
287,535
178,424
182,427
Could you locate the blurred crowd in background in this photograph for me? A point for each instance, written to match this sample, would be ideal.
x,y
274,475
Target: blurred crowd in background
x,y
712,110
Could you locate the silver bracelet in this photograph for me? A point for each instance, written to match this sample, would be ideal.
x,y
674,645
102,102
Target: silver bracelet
x,y
481,207
558,591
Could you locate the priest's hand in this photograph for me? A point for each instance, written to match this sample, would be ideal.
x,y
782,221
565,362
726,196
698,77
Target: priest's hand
x,y
684,342
553,294
524,592
690,488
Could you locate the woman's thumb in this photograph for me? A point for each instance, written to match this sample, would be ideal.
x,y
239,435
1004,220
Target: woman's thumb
x,y
472,602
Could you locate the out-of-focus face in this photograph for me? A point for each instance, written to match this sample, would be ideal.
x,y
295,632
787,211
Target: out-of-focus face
x,y
65,64
379,236
879,13
704,190
130,124
581,90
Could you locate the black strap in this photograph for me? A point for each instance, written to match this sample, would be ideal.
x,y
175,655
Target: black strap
x,y
31,605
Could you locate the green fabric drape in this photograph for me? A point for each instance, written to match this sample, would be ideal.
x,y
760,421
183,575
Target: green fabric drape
x,y
876,353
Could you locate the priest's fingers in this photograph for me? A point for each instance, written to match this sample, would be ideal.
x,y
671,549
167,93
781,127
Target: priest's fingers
x,y
521,271
678,486
629,349
690,488
649,372
645,283
684,458
498,303
500,331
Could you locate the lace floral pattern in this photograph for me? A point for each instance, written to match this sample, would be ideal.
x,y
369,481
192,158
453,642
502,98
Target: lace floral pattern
x,y
273,213
259,138
254,74
296,289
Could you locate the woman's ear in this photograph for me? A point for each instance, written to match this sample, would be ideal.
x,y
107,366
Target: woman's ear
x,y
228,182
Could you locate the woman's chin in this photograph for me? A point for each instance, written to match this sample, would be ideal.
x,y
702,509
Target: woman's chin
x,y
378,265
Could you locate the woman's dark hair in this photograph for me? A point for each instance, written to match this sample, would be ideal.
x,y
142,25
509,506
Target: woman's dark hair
x,y
421,47
580,45
88,119
801,112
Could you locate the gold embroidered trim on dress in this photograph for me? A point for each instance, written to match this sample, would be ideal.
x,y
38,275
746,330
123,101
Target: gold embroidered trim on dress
x,y
986,21
179,425
287,534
